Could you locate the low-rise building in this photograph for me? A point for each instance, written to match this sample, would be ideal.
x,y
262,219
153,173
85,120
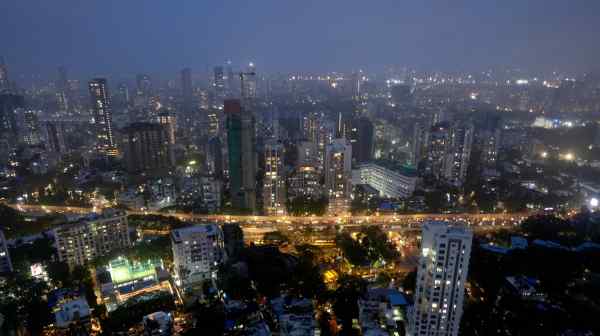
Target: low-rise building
x,y
158,324
390,179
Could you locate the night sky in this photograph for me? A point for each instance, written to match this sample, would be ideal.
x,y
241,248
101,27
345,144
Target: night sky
x,y
162,36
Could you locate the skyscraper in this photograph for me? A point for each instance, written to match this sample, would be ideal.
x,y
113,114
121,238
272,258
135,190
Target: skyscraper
x,y
274,181
490,146
338,175
187,90
459,153
55,137
146,146
4,83
249,83
437,149
31,128
441,277
9,103
361,134
102,113
241,144
219,82
63,97
419,144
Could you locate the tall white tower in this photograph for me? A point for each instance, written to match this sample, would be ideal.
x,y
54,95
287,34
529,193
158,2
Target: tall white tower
x,y
441,276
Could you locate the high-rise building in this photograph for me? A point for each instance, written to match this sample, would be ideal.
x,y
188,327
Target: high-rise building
x,y
241,145
187,90
441,277
308,153
102,113
361,134
401,95
146,146
219,82
311,125
419,144
92,236
459,153
144,85
9,104
5,263
4,82
63,97
338,175
437,149
30,130
55,137
169,121
490,146
197,252
274,181
305,181
249,83
214,158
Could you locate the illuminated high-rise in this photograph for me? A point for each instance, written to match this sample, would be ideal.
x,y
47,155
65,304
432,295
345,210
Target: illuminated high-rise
x,y
102,113
338,175
441,277
274,180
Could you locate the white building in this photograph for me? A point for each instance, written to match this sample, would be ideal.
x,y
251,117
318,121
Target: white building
x,y
5,263
92,236
338,175
390,181
197,251
441,276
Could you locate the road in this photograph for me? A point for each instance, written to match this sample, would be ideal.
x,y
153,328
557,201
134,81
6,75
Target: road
x,y
395,220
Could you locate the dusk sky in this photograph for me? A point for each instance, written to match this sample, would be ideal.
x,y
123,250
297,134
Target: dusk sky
x,y
159,36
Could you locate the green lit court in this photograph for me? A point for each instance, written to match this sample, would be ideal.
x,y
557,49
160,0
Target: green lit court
x,y
123,270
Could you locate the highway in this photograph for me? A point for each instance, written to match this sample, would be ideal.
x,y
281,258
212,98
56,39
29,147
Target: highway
x,y
393,220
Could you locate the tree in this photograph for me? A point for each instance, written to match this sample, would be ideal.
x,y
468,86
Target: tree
x,y
275,238
346,296
59,274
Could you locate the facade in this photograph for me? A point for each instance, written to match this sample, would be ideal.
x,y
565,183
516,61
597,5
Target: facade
x,y
338,175
437,149
490,146
274,196
308,153
197,252
441,277
361,134
458,154
9,103
5,262
146,147
305,182
55,137
30,129
241,143
390,180
102,113
419,144
95,235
